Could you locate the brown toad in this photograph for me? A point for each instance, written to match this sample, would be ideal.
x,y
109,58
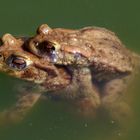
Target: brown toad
x,y
41,75
89,66
95,58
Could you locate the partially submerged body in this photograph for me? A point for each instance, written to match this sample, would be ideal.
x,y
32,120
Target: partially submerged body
x,y
89,66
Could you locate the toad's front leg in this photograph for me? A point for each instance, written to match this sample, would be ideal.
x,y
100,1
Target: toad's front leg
x,y
87,96
114,100
19,110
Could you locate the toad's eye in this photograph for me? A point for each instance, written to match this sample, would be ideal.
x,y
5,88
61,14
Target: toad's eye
x,y
45,46
16,62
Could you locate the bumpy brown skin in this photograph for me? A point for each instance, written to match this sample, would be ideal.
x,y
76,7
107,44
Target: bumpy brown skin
x,y
96,57
37,70
93,47
42,76
89,66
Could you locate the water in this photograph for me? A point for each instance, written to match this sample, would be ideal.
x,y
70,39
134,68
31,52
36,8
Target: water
x,y
53,120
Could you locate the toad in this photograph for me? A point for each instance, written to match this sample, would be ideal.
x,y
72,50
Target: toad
x,y
90,67
95,58
40,75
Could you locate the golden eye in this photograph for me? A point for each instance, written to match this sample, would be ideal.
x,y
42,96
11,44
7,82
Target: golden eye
x,y
16,62
45,47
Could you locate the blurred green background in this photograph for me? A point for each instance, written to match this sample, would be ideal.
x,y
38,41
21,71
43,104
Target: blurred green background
x,y
51,120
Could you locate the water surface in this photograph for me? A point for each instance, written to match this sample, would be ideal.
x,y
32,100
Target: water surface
x,y
53,120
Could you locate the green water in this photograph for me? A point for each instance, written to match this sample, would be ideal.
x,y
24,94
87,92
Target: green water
x,y
52,120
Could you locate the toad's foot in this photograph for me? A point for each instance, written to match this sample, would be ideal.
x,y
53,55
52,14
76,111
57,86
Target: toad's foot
x,y
87,107
113,100
88,98
19,110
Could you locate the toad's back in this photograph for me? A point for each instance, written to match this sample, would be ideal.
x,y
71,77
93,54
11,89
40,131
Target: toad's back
x,y
93,47
100,47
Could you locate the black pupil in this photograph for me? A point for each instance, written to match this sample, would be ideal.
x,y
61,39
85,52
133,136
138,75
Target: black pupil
x,y
16,62
45,47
